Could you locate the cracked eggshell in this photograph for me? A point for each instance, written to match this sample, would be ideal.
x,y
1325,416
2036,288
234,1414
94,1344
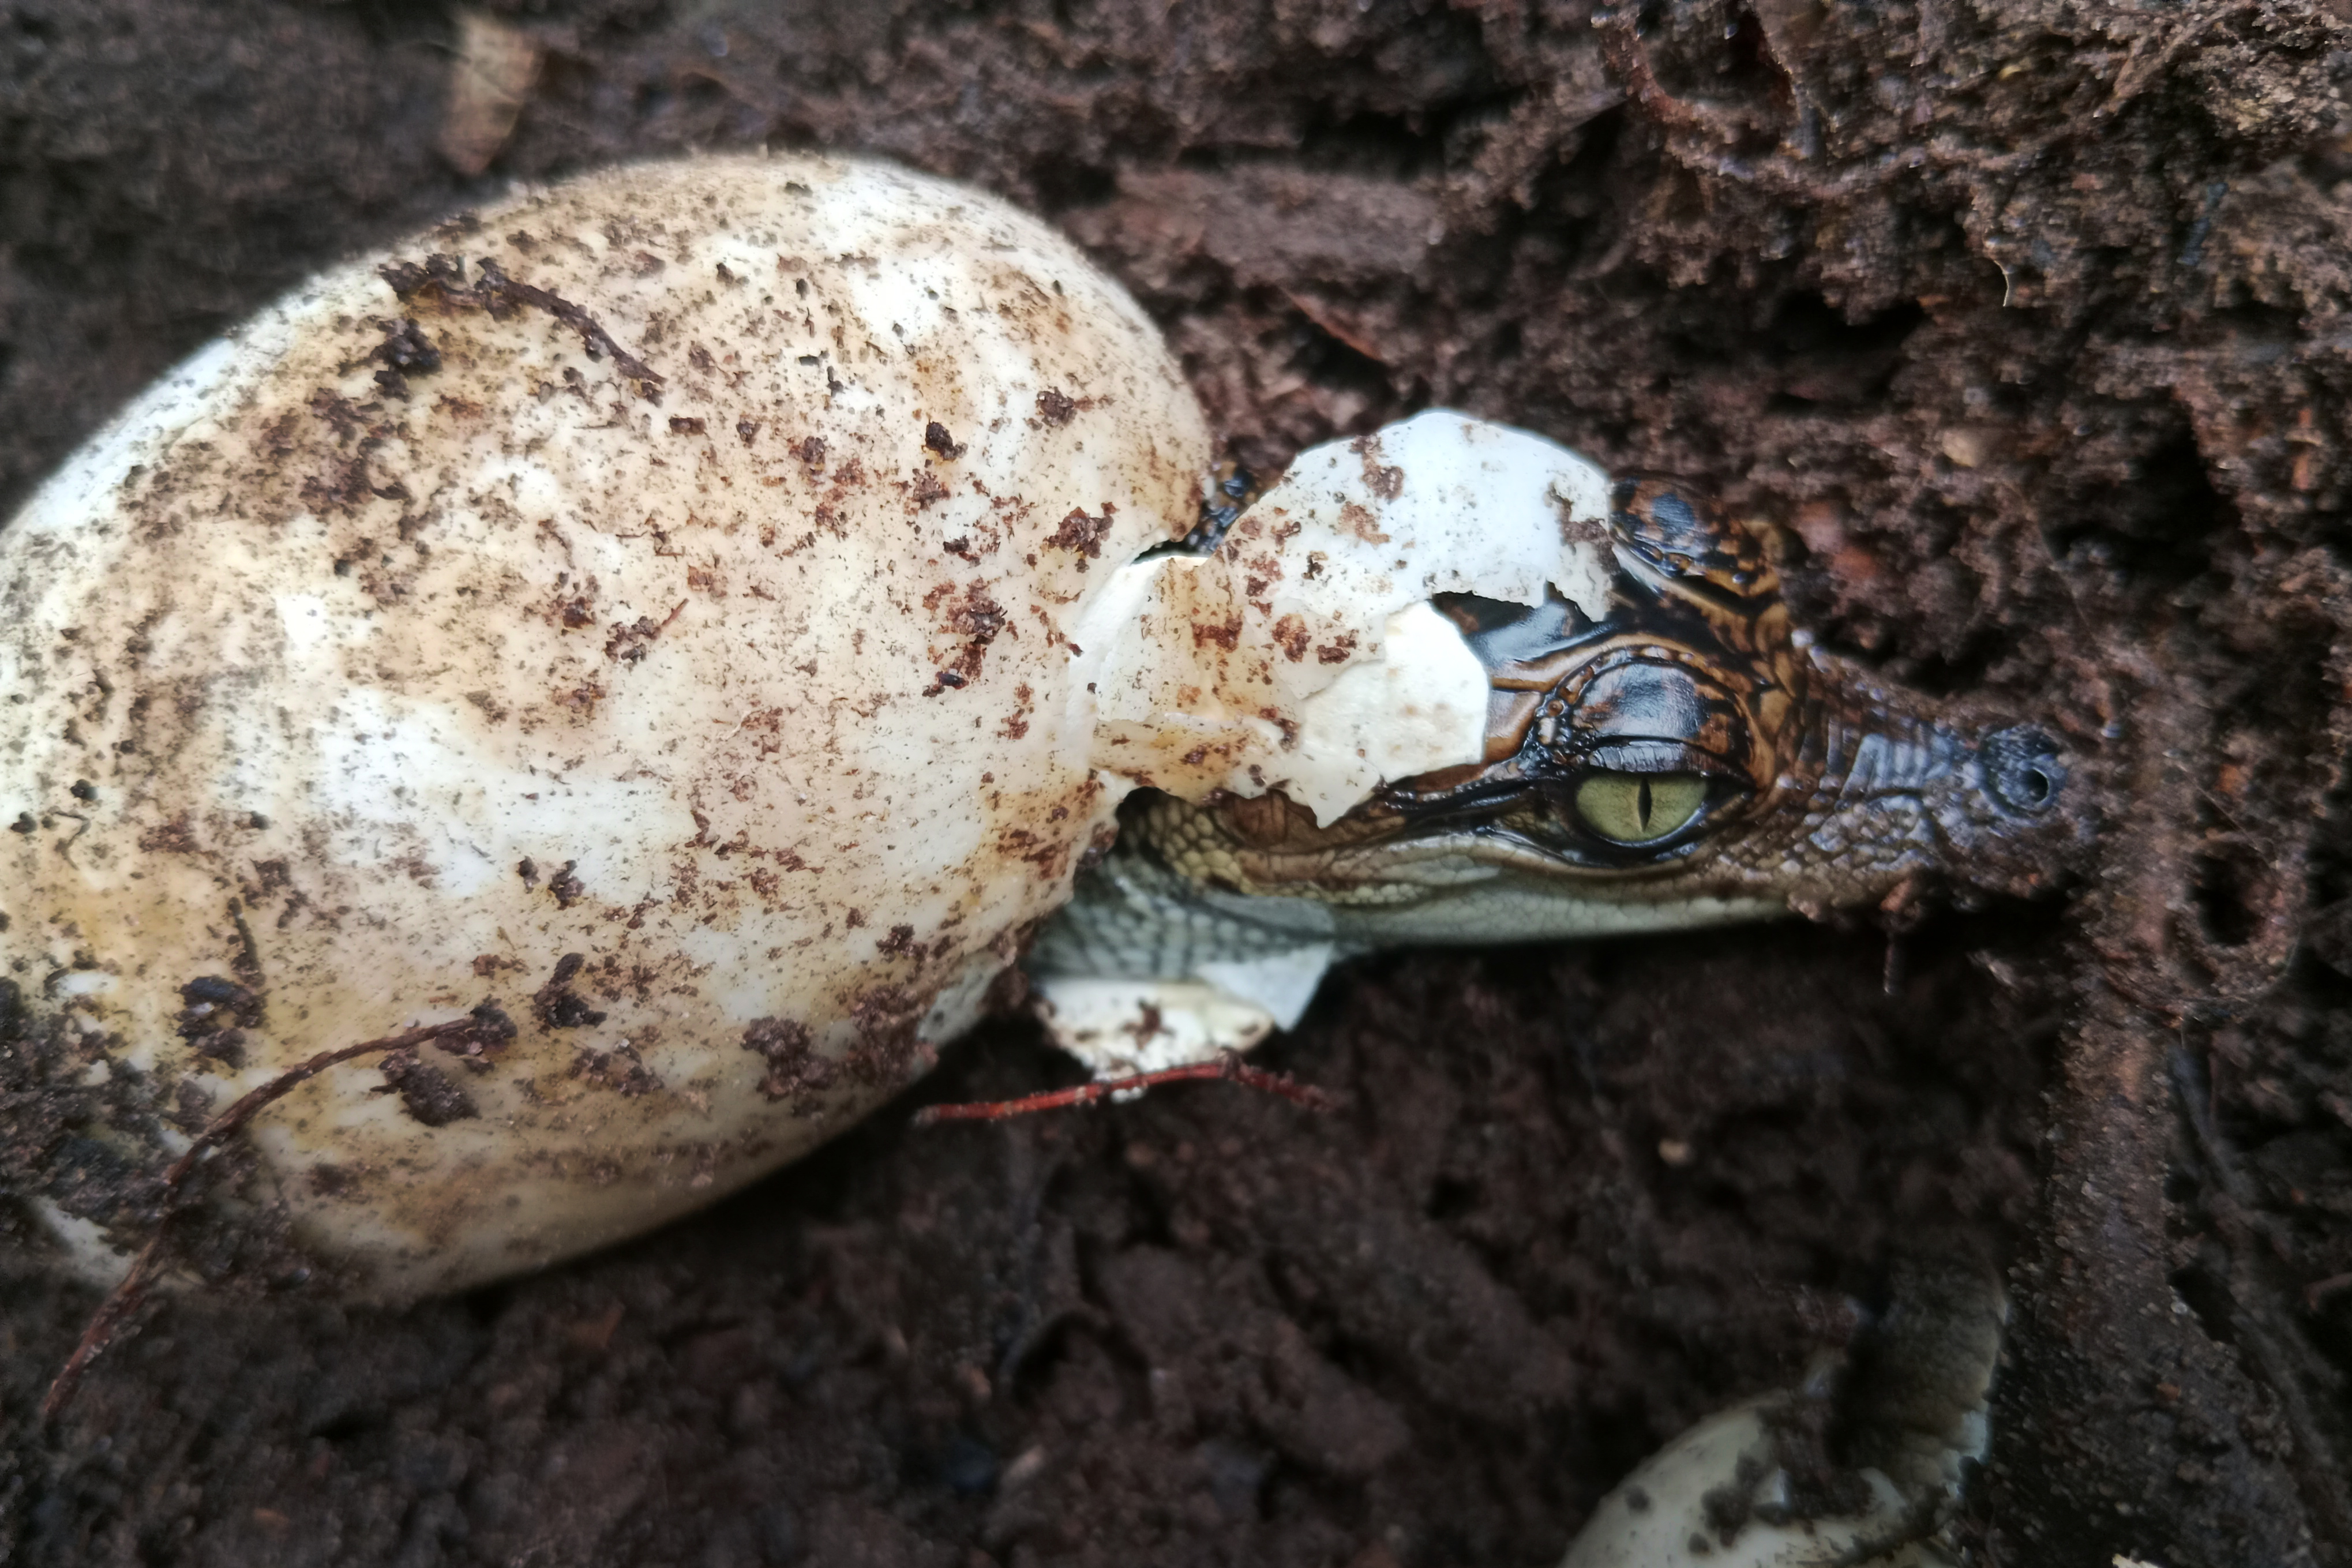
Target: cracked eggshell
x,y
406,650
1304,655
1911,1418
1717,1497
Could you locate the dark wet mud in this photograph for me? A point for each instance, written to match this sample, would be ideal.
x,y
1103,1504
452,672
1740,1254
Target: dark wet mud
x,y
2033,322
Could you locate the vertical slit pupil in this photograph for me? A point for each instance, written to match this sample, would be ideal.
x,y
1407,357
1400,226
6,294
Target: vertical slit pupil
x,y
1642,806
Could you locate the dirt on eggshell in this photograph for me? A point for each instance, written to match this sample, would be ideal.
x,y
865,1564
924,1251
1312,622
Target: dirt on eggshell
x,y
2029,318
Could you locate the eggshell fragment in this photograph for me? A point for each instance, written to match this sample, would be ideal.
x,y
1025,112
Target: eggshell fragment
x,y
1303,655
1668,1513
1911,1418
645,605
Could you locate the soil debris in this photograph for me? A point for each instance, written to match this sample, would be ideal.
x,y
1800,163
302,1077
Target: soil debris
x,y
2027,317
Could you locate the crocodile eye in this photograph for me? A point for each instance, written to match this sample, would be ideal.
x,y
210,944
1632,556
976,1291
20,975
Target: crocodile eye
x,y
1639,808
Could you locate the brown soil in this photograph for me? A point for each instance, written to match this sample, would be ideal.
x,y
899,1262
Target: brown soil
x,y
2033,317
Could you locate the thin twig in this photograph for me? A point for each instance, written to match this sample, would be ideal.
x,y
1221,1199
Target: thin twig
x,y
445,276
1621,46
1228,1067
124,1299
2315,1294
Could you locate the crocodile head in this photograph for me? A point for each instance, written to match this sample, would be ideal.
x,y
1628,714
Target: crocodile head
x,y
1685,757
1672,754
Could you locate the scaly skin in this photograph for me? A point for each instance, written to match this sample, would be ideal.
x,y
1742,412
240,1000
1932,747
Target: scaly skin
x,y
1816,785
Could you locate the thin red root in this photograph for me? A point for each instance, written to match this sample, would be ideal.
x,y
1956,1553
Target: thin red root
x,y
124,1299
1228,1067
1621,46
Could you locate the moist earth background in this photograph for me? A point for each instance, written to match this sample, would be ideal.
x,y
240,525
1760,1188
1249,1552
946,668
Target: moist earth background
x,y
2029,317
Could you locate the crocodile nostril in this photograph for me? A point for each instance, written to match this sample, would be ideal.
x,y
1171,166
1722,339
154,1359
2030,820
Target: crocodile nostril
x,y
2022,770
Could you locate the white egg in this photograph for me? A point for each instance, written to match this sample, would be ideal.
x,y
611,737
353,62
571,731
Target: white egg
x,y
648,603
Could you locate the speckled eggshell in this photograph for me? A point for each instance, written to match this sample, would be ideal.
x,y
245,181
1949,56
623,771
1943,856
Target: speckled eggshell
x,y
668,643
1305,655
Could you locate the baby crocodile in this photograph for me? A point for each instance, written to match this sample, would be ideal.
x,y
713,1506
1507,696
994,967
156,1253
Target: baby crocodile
x,y
1686,759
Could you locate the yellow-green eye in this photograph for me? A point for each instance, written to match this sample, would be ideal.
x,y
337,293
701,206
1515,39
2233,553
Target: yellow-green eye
x,y
1639,808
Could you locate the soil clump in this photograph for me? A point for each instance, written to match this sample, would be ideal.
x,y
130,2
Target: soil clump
x,y
2033,322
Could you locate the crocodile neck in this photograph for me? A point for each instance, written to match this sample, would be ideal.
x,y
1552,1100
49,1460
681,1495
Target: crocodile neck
x,y
1171,896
